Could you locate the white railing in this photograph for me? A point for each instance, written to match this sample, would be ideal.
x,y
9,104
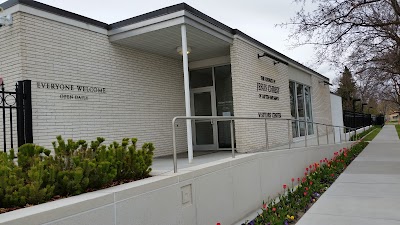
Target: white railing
x,y
289,124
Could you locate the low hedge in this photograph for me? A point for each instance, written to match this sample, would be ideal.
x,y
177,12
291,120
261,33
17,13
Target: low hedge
x,y
37,176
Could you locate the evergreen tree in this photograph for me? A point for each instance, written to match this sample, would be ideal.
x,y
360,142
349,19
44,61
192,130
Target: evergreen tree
x,y
347,89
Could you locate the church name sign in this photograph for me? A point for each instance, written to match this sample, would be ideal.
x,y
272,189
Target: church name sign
x,y
270,91
81,89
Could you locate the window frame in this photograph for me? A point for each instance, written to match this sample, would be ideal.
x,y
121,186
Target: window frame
x,y
298,133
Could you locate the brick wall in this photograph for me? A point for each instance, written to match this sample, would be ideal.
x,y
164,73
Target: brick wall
x,y
247,70
11,70
321,103
143,91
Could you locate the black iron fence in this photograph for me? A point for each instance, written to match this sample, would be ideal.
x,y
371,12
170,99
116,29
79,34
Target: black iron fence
x,y
16,107
356,119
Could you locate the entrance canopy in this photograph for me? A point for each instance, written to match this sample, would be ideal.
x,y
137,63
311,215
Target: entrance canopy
x,y
160,33
170,32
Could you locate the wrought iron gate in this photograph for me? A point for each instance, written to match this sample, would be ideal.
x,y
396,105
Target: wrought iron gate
x,y
19,102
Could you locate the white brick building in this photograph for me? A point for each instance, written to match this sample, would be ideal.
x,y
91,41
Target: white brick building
x,y
127,79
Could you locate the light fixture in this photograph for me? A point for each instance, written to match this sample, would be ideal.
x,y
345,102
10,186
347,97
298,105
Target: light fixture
x,y
325,83
179,50
6,20
276,60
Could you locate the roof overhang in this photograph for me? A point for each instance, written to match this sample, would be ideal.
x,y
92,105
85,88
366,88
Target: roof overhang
x,y
158,20
162,35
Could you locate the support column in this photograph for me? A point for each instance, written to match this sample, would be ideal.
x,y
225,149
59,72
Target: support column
x,y
187,92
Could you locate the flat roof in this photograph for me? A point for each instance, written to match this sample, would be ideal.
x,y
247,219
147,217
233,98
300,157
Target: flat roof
x,y
150,15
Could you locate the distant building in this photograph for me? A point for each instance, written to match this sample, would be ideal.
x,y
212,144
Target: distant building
x,y
394,117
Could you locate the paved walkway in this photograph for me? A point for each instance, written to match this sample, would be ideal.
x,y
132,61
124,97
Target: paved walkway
x,y
368,192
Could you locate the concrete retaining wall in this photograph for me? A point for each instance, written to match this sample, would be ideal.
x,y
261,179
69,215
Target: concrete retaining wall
x,y
223,191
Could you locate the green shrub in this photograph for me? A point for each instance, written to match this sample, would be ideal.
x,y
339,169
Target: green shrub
x,y
74,168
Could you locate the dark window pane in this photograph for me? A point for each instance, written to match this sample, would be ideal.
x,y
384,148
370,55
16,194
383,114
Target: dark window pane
x,y
292,90
202,104
308,109
201,78
204,133
223,89
300,108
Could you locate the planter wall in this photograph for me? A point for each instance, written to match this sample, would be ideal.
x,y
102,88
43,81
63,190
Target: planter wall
x,y
223,191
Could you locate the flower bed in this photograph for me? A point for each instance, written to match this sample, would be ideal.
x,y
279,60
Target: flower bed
x,y
296,200
75,168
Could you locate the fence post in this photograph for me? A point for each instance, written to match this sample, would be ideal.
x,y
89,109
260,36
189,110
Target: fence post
x,y
289,139
3,100
355,134
20,113
327,135
340,135
232,140
305,135
174,145
317,134
266,135
28,111
334,134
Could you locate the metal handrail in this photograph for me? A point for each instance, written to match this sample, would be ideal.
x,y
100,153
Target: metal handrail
x,y
233,118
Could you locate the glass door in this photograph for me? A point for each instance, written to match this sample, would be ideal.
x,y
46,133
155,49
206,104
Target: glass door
x,y
204,131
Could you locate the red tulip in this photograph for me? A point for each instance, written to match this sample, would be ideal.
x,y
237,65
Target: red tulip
x,y
298,179
307,169
306,188
284,186
310,182
292,179
305,173
218,223
274,209
265,206
310,166
332,175
305,193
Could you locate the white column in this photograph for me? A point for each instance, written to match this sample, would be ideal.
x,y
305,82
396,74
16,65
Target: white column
x,y
187,92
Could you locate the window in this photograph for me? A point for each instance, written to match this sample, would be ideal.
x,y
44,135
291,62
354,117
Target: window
x,y
301,109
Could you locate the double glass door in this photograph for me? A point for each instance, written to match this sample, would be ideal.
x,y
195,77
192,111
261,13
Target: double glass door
x,y
211,95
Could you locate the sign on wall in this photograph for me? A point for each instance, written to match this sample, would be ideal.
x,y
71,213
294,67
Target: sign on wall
x,y
268,91
81,89
269,115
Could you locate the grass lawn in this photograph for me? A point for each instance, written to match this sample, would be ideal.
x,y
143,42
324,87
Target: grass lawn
x,y
373,134
398,130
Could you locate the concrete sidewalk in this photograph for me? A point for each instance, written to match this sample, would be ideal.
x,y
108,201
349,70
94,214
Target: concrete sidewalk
x,y
368,191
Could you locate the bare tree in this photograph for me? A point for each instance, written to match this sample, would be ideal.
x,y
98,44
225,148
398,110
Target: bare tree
x,y
362,34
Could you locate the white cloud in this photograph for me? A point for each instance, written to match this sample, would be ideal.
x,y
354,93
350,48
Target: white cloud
x,y
256,18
